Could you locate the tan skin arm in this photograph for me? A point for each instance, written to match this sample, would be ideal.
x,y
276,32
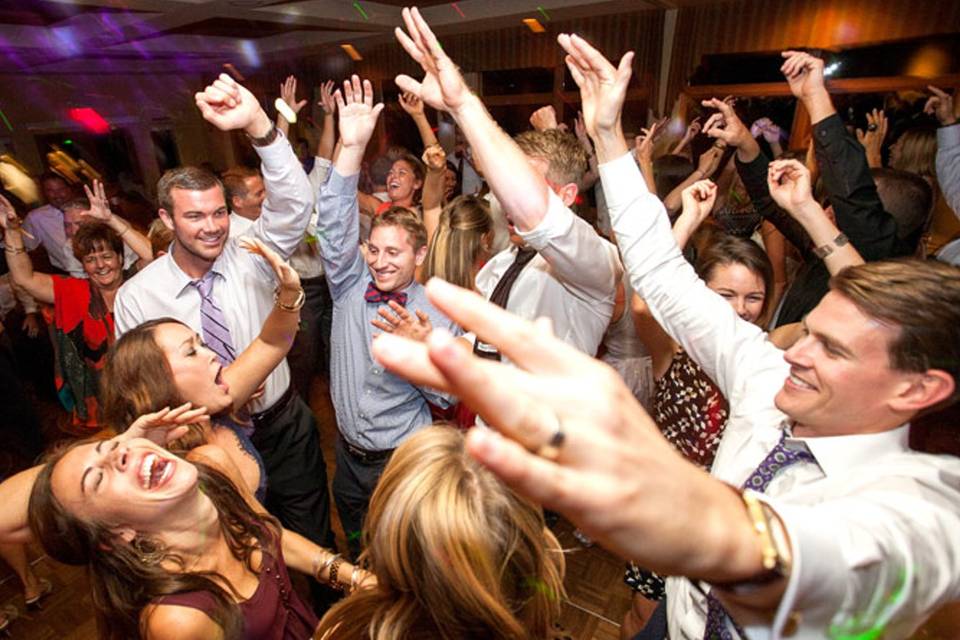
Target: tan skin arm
x,y
245,374
100,211
38,285
298,552
327,133
436,161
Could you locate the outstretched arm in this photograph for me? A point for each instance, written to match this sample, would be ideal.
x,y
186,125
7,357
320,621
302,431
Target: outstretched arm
x,y
289,203
521,191
288,93
38,285
789,184
943,105
245,374
413,105
328,136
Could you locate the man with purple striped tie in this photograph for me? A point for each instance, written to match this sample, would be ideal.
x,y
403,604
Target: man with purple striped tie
x,y
224,293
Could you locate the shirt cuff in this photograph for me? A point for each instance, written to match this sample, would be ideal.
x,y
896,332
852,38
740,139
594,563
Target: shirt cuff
x,y
948,137
624,173
277,153
830,130
813,590
556,223
339,184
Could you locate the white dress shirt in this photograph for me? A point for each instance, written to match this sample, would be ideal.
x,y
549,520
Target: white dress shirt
x,y
572,280
874,527
46,225
245,286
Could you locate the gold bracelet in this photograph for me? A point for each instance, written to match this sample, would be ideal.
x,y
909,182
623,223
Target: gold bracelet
x,y
353,579
296,306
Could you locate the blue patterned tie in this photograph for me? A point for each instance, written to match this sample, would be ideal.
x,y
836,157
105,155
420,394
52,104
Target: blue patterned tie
x,y
213,325
779,458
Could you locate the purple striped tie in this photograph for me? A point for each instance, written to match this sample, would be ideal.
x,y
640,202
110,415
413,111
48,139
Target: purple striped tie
x,y
214,327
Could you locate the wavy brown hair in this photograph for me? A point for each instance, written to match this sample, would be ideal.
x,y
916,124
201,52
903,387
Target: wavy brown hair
x,y
137,379
457,554
458,241
126,577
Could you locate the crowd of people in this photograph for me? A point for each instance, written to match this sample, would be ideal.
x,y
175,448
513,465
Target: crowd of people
x,y
713,372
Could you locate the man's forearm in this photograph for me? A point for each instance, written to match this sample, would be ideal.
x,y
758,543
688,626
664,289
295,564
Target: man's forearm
x,y
520,189
327,138
819,106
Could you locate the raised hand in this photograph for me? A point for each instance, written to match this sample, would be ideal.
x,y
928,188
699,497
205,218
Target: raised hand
x,y
228,105
725,125
398,321
603,87
694,128
941,105
164,426
709,161
766,128
698,200
544,118
288,92
581,131
358,115
804,74
442,87
411,104
8,216
435,158
789,184
287,277
99,204
872,139
644,143
327,102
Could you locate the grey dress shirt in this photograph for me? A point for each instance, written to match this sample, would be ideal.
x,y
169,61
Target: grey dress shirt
x,y
375,409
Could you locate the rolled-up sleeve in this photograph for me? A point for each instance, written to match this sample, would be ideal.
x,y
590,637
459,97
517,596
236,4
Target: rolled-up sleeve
x,y
584,263
286,211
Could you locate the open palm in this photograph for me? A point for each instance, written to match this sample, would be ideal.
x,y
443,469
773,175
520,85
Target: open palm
x,y
358,115
442,87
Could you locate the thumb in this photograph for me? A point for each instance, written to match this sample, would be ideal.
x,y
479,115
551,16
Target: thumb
x,y
406,83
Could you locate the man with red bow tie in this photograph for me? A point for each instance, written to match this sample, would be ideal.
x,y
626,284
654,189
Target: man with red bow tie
x,y
375,409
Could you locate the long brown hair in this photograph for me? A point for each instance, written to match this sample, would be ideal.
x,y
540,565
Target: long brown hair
x,y
137,379
724,249
456,553
126,577
458,241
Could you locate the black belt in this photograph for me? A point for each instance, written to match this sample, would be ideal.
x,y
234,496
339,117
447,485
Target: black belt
x,y
370,457
268,415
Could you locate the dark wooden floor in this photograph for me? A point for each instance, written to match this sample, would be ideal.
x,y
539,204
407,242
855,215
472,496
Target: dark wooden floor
x,y
596,596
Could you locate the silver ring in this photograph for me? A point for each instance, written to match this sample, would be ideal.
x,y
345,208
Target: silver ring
x,y
871,127
551,450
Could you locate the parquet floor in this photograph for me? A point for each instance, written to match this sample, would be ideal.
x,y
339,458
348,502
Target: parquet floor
x,y
596,596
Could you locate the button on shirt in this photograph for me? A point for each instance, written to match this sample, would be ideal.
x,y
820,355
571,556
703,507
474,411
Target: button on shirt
x,y
873,525
245,282
46,225
572,280
375,409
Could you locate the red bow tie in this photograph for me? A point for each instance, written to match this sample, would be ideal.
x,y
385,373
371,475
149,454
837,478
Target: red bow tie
x,y
376,296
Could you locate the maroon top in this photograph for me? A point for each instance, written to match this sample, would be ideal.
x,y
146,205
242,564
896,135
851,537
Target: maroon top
x,y
273,612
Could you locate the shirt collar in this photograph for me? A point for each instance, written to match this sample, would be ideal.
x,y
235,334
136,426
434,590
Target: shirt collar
x,y
839,454
182,280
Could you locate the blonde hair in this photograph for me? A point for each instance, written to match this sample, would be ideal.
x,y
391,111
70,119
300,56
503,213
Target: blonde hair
x,y
566,158
918,151
458,241
159,236
456,553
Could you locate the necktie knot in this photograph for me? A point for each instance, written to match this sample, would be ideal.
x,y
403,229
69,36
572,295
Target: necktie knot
x,y
375,296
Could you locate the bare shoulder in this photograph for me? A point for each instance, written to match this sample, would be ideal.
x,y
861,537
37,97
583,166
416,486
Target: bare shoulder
x,y
173,622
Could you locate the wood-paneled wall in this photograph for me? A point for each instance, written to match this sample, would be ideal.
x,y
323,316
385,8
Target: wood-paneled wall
x,y
770,25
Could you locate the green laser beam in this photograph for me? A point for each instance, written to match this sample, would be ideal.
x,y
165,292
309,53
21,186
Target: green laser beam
x,y
543,12
5,121
356,5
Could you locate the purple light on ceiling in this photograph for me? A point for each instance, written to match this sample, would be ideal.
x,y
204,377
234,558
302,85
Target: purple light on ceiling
x,y
249,51
65,40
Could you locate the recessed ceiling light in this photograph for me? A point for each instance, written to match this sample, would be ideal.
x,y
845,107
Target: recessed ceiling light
x,y
352,52
534,25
